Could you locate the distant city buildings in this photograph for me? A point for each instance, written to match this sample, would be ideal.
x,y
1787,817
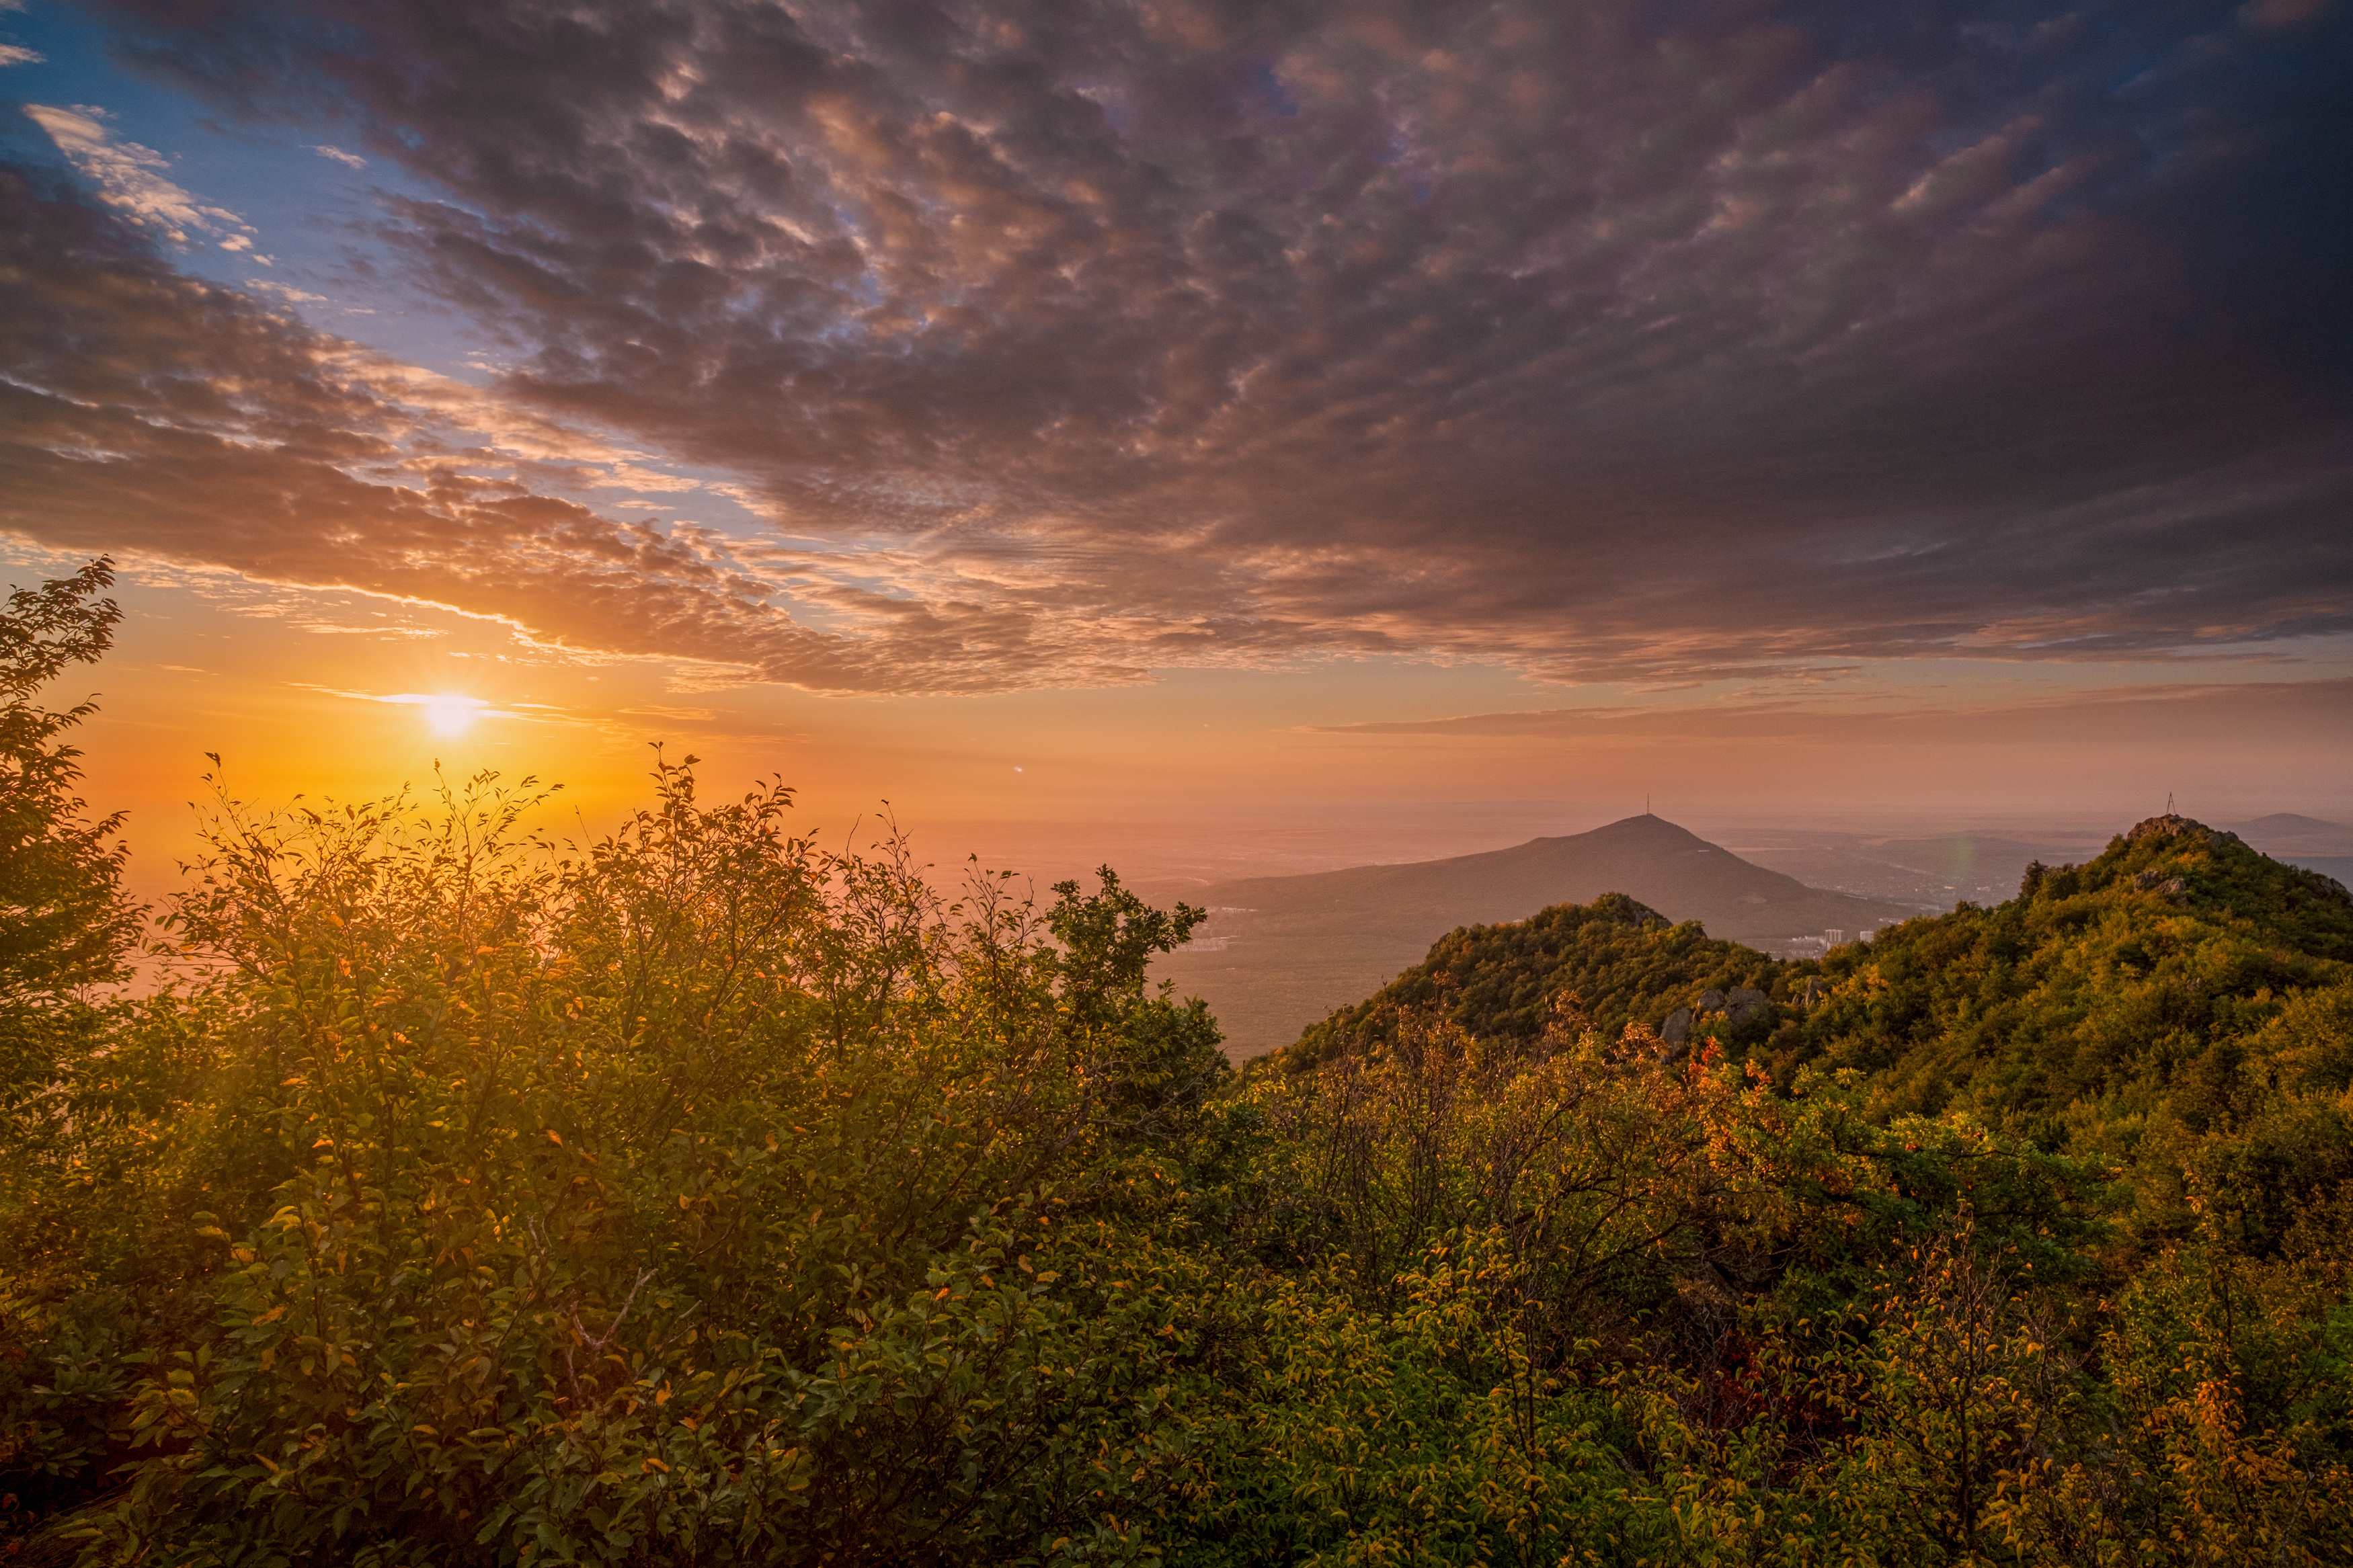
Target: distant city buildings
x,y
1834,937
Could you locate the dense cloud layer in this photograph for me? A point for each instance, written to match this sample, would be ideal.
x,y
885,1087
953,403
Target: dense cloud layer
x,y
1613,340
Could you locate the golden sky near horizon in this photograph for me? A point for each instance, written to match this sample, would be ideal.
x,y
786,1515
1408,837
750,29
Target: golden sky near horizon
x,y
338,695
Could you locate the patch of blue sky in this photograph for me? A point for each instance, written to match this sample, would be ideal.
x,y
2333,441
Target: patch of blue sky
x,y
306,211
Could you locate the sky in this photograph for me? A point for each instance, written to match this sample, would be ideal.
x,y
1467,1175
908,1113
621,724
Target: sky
x,y
1489,415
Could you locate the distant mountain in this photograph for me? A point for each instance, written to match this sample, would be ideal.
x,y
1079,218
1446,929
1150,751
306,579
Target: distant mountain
x,y
2284,834
1279,952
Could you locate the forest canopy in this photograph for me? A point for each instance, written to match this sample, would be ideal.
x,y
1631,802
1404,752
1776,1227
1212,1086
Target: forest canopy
x,y
699,1194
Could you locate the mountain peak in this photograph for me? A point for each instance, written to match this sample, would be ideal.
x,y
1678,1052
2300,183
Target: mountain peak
x,y
2171,826
1648,827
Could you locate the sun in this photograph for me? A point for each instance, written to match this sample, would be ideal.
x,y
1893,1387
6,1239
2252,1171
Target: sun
x,y
451,714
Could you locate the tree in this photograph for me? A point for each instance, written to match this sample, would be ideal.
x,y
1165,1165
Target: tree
x,y
65,923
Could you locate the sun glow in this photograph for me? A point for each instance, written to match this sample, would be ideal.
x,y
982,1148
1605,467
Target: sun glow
x,y
449,713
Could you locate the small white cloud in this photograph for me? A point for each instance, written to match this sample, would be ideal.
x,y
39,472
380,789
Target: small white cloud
x,y
626,475
132,178
17,55
349,160
285,291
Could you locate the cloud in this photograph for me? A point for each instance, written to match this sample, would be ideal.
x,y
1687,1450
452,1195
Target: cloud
x,y
349,160
17,55
164,418
1619,341
285,291
131,177
2216,713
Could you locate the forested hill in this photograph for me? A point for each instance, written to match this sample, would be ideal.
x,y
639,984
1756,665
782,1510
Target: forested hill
x,y
2178,989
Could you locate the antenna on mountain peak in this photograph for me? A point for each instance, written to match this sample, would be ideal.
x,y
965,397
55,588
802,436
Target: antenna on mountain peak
x,y
1646,802
2168,803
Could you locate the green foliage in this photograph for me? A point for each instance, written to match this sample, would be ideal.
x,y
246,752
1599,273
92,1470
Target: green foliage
x,y
2180,1007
